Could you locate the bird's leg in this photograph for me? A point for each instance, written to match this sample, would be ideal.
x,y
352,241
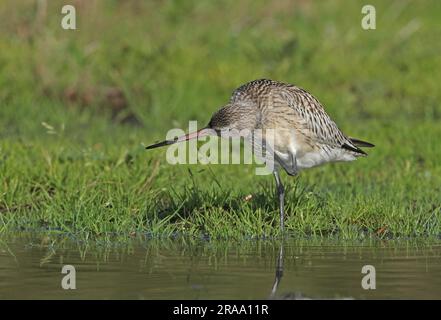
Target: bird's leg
x,y
281,193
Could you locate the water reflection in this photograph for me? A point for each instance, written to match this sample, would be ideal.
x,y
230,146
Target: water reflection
x,y
143,268
279,272
278,278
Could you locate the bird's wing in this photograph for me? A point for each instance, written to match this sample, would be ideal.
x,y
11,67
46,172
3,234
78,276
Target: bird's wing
x,y
313,119
310,117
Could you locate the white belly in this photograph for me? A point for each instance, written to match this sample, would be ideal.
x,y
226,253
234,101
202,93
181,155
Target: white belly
x,y
313,159
310,159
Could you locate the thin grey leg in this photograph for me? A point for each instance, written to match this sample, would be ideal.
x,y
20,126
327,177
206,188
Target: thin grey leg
x,y
281,193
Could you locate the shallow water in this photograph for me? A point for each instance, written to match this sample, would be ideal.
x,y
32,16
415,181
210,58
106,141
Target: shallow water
x,y
30,268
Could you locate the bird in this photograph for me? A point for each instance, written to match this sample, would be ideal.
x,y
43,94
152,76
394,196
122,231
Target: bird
x,y
305,136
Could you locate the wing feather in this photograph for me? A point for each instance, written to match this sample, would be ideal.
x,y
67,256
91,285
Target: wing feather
x,y
311,117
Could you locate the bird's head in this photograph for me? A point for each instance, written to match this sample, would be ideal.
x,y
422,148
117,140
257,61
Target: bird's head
x,y
230,117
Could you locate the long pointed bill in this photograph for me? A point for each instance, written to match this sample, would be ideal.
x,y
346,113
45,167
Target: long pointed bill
x,y
194,135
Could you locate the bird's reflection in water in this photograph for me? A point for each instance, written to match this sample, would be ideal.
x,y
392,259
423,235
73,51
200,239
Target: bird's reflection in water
x,y
278,278
279,272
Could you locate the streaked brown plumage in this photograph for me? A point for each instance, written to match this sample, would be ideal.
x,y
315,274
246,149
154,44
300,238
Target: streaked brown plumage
x,y
304,135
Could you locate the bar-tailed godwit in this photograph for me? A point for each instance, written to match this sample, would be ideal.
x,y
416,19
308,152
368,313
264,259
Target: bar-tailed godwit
x,y
304,134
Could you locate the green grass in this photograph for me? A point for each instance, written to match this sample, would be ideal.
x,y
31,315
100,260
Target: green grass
x,y
71,149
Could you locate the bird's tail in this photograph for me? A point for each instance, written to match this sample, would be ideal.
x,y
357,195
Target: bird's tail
x,y
355,144
361,143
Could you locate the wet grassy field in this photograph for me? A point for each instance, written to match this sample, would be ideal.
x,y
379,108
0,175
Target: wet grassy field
x,y
78,107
